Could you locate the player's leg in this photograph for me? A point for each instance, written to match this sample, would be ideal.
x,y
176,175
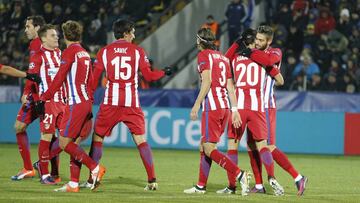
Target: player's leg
x,y
44,158
280,157
255,163
134,119
147,159
234,137
214,124
75,167
55,159
258,128
204,170
70,129
25,116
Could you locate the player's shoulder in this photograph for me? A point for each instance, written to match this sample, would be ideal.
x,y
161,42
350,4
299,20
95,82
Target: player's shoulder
x,y
276,51
35,44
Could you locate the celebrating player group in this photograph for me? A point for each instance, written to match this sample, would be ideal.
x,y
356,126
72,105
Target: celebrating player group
x,y
237,91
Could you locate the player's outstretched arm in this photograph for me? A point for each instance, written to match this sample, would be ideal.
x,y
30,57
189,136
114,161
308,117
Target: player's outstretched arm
x,y
235,117
204,90
8,70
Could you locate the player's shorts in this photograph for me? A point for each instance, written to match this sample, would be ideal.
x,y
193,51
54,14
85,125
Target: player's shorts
x,y
108,116
74,118
27,114
52,117
271,125
213,124
254,121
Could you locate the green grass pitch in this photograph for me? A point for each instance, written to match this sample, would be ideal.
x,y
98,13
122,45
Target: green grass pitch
x,y
331,179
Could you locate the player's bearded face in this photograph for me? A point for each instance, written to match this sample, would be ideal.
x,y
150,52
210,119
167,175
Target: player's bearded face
x,y
261,41
30,30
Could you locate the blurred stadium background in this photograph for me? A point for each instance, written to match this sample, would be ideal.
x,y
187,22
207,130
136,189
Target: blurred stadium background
x,y
318,106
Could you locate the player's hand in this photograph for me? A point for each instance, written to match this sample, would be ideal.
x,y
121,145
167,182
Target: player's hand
x,y
168,70
39,107
24,99
33,77
246,52
236,119
194,112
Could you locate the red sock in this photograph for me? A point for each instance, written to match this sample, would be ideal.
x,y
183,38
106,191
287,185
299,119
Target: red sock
x,y
268,161
205,165
24,149
147,159
55,159
284,162
233,156
75,168
96,151
79,154
224,162
44,157
256,166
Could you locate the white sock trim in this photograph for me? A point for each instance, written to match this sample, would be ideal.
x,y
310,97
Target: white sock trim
x,y
298,178
73,184
259,186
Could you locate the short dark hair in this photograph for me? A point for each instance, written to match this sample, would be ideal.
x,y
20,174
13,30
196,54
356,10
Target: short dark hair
x,y
207,38
36,20
266,30
248,36
122,26
43,29
72,30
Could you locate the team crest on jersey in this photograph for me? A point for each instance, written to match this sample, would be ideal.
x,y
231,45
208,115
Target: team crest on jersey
x,y
63,62
31,65
146,59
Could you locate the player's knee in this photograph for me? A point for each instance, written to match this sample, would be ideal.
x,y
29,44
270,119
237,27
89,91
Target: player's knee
x,y
19,127
97,138
63,142
139,139
271,147
46,137
261,144
233,144
208,149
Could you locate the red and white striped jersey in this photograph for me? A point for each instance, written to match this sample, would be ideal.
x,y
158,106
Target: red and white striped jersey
x,y
250,79
122,61
75,74
269,99
46,63
219,66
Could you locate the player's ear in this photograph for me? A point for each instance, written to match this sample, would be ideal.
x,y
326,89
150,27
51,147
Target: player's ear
x,y
37,28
